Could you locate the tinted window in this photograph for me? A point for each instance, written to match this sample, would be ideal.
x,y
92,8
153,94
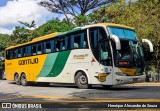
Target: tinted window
x,y
11,54
19,52
23,51
122,32
100,47
15,53
96,34
33,49
57,44
39,48
105,55
79,40
8,54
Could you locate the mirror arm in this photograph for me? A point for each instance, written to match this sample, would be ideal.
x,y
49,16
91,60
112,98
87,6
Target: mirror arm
x,y
149,43
117,41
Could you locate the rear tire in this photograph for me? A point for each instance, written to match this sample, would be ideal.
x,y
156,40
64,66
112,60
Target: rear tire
x,y
3,75
81,80
24,80
17,79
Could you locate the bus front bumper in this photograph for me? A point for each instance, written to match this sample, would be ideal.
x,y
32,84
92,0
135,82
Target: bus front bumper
x,y
128,79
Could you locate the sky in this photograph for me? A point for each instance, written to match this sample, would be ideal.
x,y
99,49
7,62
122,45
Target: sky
x,y
13,11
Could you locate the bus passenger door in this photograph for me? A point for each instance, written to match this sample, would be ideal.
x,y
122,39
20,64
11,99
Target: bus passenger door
x,y
105,62
101,67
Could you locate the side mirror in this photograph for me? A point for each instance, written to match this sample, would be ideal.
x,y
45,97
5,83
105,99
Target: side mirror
x,y
149,43
117,41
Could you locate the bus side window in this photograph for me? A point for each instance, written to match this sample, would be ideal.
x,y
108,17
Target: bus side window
x,y
84,41
68,42
15,53
94,38
52,45
28,50
62,44
11,54
47,47
77,40
72,42
19,52
23,51
33,49
96,34
7,54
102,34
57,45
39,48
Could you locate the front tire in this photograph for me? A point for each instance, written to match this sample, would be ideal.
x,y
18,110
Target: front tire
x,y
81,80
24,80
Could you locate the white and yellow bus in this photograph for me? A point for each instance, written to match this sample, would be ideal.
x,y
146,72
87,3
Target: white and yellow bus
x,y
106,54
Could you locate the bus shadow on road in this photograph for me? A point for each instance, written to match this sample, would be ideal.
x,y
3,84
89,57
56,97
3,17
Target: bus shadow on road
x,y
96,87
48,85
118,88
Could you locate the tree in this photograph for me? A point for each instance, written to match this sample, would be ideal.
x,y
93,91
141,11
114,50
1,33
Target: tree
x,y
20,35
32,25
54,25
72,7
4,42
24,34
143,15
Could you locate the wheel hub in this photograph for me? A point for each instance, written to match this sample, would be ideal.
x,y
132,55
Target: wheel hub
x,y
82,79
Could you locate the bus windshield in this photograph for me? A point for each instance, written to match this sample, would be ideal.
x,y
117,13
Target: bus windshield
x,y
131,54
122,33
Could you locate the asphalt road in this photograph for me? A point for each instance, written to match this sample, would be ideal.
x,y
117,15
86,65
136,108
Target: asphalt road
x,y
69,96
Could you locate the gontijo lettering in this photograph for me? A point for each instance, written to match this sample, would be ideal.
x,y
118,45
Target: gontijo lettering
x,y
28,61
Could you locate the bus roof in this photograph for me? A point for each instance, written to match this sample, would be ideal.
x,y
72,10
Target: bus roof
x,y
73,30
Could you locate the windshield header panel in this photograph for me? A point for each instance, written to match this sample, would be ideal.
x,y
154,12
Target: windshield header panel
x,y
123,33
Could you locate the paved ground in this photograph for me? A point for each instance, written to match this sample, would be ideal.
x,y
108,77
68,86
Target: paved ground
x,y
69,96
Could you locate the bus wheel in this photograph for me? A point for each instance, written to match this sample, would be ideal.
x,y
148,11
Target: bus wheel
x,y
17,79
107,86
24,80
3,75
81,80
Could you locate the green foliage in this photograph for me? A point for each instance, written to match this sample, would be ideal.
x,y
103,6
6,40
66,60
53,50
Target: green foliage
x,y
54,25
1,66
20,35
143,15
23,34
81,20
153,69
4,42
33,24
